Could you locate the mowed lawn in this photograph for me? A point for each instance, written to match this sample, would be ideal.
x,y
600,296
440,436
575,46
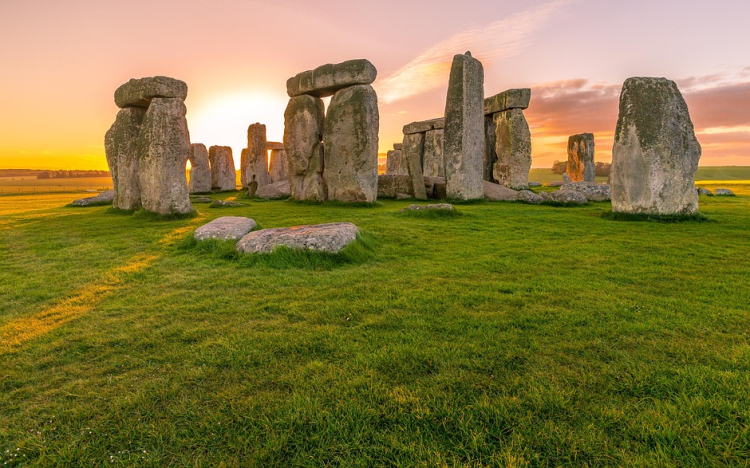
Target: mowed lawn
x,y
510,335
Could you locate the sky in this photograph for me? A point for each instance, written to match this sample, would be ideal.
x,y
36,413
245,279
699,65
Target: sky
x,y
61,61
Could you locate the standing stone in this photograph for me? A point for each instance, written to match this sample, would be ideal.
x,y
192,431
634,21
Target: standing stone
x,y
279,168
413,149
433,160
243,167
123,159
303,131
581,167
200,170
223,177
513,149
656,152
164,147
490,152
464,129
256,170
393,162
351,145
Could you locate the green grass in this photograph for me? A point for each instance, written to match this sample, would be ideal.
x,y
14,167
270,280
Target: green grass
x,y
511,335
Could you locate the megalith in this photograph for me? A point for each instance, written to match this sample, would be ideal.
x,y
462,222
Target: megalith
x,y
581,167
256,169
123,159
513,149
327,79
164,148
303,134
278,168
223,177
200,170
656,152
413,148
463,146
433,161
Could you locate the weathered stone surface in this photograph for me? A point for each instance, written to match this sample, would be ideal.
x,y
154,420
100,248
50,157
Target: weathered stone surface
x,y
244,159
303,133
513,149
278,168
398,146
433,159
256,169
393,162
326,80
464,129
557,184
510,99
490,153
274,191
497,192
435,187
723,192
527,196
274,146
164,148
424,126
591,190
535,184
104,198
581,167
140,92
123,159
332,238
564,197
351,145
566,178
412,154
656,153
437,206
223,177
704,191
391,185
200,169
225,228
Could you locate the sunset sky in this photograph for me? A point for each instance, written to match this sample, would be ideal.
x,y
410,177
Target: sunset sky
x,y
62,60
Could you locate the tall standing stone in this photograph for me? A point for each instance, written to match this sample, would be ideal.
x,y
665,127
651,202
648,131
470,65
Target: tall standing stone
x,y
164,147
433,159
200,170
279,167
656,152
303,131
413,148
351,145
256,170
121,147
464,129
513,149
581,165
223,177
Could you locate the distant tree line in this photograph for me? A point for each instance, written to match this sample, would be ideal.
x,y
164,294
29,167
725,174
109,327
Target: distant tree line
x,y
71,174
602,168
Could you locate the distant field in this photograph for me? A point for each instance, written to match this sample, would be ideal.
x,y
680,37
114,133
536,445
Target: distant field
x,y
32,185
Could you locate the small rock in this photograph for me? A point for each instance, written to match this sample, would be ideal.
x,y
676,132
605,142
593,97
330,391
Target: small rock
x,y
527,196
225,204
225,228
275,191
437,206
704,191
722,192
101,199
332,238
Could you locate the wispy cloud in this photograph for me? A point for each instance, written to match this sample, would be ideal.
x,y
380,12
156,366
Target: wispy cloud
x,y
500,39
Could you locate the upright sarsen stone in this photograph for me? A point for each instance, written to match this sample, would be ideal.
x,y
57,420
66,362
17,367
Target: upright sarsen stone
x,y
164,147
513,149
351,145
123,159
581,167
433,160
413,148
464,129
256,168
278,168
223,177
303,132
200,170
656,152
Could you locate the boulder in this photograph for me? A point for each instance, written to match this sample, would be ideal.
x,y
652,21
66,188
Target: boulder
x,y
326,80
581,167
463,147
704,191
332,238
412,154
164,148
510,99
591,190
527,196
274,191
433,161
564,197
278,168
200,169
497,192
256,167
351,145
424,126
393,185
513,149
123,159
223,177
104,198
140,92
225,228
723,192
438,206
656,152
303,132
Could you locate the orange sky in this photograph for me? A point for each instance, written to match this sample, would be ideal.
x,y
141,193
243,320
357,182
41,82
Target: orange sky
x,y
62,62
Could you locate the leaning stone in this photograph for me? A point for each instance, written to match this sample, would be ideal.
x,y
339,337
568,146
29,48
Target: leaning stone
x,y
412,154
424,126
513,149
278,168
464,129
326,80
274,146
704,191
123,159
581,167
351,145
722,192
225,228
332,238
591,190
656,152
104,198
200,169
497,192
433,160
391,185
140,92
564,197
223,177
438,206
274,191
527,196
303,131
164,147
256,168
510,99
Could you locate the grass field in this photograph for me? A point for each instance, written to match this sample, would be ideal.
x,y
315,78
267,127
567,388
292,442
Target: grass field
x,y
510,335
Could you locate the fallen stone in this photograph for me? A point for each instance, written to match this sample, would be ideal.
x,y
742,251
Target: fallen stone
x,y
497,192
225,228
326,80
591,190
722,192
140,92
704,191
123,158
510,99
278,168
581,167
437,206
225,204
656,152
274,191
433,158
464,129
223,177
303,132
527,196
104,198
412,154
424,126
332,238
513,149
564,197
200,169
256,170
391,185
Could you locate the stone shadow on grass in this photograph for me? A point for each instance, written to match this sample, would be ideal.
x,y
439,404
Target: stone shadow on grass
x,y
694,218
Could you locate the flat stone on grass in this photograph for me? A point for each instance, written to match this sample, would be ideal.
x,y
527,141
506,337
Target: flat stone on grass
x,y
104,198
225,228
436,206
332,238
